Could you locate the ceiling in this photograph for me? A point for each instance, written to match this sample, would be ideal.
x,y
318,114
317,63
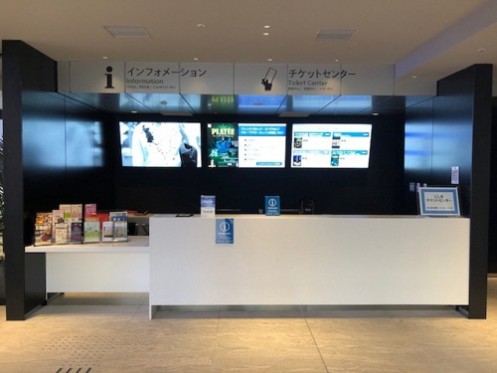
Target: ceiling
x,y
424,40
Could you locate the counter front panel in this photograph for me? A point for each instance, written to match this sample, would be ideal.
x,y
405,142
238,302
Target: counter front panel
x,y
310,260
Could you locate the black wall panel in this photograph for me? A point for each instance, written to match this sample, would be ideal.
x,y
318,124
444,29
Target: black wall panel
x,y
28,74
462,137
376,190
55,152
492,234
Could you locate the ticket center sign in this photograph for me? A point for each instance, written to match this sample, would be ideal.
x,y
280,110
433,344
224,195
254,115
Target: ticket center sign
x,y
315,79
436,201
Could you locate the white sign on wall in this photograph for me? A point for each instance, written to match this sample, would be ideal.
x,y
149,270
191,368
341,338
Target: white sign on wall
x,y
97,77
228,78
315,79
367,80
152,77
261,79
206,78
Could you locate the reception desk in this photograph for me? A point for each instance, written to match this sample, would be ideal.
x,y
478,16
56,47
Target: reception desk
x,y
310,260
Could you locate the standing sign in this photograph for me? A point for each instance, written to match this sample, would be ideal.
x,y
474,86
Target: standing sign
x,y
207,206
272,205
439,201
225,231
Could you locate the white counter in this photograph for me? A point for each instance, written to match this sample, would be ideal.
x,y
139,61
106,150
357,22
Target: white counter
x,y
310,260
97,267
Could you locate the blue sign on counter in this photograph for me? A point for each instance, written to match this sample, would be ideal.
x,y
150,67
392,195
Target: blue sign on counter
x,y
272,205
225,229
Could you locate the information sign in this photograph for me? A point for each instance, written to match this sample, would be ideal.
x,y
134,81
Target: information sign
x,y
439,201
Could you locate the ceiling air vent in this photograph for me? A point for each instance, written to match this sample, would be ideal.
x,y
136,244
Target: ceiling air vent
x,y
132,32
335,34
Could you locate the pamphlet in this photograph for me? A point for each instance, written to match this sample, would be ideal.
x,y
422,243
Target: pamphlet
x,y
92,229
43,229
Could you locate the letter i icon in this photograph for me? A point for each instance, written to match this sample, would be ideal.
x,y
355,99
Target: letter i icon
x,y
109,78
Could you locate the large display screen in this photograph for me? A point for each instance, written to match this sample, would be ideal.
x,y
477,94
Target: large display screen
x,y
246,145
331,145
160,144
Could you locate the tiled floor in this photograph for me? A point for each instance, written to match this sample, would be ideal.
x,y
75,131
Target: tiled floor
x,y
93,334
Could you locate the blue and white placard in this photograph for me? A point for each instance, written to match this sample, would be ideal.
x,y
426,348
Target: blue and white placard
x,y
207,206
439,201
225,229
272,205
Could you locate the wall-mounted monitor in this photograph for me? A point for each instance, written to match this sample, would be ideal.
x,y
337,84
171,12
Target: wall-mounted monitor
x,y
246,145
331,145
160,144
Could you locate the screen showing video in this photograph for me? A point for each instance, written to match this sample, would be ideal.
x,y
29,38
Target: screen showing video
x,y
160,144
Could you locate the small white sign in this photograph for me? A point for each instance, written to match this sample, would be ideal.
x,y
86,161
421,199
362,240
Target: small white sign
x,y
454,175
207,206
439,201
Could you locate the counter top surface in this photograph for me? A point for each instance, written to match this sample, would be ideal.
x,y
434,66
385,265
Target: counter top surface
x,y
135,244
302,216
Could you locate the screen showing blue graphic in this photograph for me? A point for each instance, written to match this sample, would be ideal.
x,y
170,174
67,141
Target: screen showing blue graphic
x,y
247,145
331,145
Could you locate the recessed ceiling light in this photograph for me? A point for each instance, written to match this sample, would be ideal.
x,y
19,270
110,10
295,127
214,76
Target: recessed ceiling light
x,y
265,33
269,60
200,25
105,58
337,60
134,111
127,32
267,26
414,77
195,58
